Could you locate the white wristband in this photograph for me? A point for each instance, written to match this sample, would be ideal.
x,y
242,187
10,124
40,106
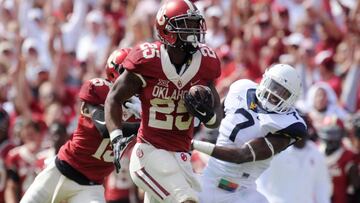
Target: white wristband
x,y
115,133
271,147
212,120
252,151
204,147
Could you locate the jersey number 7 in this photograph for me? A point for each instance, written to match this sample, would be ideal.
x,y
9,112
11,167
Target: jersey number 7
x,y
245,124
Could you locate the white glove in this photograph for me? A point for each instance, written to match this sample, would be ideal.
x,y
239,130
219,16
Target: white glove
x,y
134,106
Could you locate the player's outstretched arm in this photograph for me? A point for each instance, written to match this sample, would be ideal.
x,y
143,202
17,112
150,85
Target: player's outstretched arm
x,y
255,150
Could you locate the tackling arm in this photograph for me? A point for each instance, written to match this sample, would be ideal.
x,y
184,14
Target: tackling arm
x,y
255,150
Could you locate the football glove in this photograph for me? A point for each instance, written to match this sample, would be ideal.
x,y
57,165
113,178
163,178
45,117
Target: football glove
x,y
119,144
200,107
134,106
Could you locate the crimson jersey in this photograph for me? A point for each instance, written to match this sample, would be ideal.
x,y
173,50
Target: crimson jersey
x,y
165,122
23,163
5,147
339,164
88,152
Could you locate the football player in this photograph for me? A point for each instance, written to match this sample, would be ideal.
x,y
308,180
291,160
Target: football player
x,y
161,73
77,173
119,186
259,122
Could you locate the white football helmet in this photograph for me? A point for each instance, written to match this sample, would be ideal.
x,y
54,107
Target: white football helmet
x,y
279,88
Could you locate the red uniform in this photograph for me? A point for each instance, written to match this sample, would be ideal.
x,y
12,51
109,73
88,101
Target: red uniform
x,y
339,164
87,151
83,161
166,123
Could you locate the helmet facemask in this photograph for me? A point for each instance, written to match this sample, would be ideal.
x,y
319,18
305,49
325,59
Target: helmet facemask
x,y
273,96
190,29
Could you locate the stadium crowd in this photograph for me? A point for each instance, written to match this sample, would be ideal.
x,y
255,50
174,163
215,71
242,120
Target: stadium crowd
x,y
49,48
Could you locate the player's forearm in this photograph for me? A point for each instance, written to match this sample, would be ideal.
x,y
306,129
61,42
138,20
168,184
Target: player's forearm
x,y
113,113
255,150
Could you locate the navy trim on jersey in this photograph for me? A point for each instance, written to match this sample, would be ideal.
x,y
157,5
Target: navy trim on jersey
x,y
296,130
251,99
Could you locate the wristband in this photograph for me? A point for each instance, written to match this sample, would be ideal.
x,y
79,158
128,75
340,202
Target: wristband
x,y
212,120
204,147
271,147
252,151
115,133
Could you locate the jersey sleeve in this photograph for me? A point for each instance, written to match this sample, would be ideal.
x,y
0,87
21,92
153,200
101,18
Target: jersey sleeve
x,y
140,57
295,131
211,62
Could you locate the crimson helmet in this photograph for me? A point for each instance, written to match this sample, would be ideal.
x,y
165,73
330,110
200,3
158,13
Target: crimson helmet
x,y
113,65
94,91
179,21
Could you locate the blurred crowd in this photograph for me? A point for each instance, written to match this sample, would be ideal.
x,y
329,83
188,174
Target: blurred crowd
x,y
48,48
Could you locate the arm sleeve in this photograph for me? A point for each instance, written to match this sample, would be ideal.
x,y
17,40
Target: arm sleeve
x,y
295,132
98,118
130,128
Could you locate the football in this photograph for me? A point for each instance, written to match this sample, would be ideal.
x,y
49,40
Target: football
x,y
203,94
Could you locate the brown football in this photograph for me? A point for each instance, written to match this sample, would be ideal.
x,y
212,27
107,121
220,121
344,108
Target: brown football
x,y
202,90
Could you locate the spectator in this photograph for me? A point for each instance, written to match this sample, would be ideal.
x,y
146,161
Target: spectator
x,y
215,35
21,162
340,161
94,39
321,103
326,70
5,147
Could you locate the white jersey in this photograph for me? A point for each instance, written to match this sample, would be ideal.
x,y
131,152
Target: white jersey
x,y
244,121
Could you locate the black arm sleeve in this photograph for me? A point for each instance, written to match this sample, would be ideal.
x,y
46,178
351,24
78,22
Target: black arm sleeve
x,y
98,118
130,128
295,132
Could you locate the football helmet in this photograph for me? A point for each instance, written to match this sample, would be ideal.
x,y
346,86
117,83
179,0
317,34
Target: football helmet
x,y
180,24
94,91
113,65
279,88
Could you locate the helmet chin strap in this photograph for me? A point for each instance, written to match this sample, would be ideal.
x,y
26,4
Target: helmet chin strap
x,y
189,47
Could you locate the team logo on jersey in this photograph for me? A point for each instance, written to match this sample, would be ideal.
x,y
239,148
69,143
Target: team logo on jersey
x,y
183,156
139,153
160,16
253,105
163,83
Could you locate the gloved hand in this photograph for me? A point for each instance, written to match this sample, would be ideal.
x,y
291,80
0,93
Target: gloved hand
x,y
200,107
119,144
134,106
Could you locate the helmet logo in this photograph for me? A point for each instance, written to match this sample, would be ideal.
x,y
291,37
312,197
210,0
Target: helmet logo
x,y
160,16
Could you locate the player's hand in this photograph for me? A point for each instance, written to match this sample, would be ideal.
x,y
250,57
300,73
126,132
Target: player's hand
x,y
134,106
119,145
200,107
